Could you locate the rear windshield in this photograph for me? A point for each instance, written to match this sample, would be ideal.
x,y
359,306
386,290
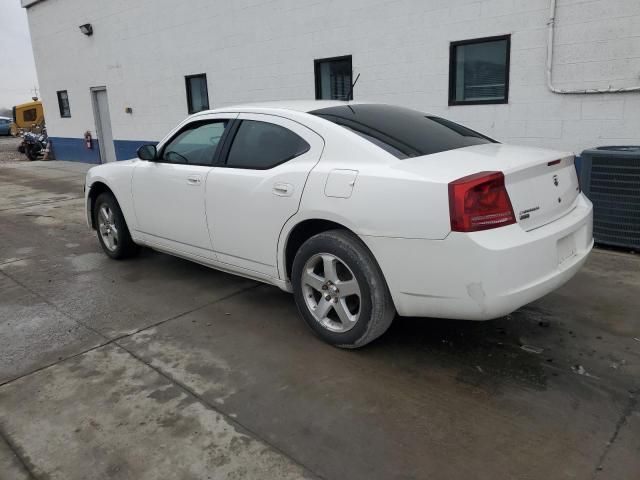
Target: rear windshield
x,y
402,132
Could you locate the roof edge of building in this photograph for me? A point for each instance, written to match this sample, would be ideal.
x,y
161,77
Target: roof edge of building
x,y
29,3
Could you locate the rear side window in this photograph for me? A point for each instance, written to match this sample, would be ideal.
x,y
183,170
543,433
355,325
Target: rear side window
x,y
261,145
402,132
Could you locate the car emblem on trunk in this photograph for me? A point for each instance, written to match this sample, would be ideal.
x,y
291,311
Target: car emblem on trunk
x,y
555,180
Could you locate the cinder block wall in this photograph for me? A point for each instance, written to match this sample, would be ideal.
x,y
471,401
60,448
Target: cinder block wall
x,y
255,50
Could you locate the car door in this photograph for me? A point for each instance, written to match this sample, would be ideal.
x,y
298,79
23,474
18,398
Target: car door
x,y
257,187
169,193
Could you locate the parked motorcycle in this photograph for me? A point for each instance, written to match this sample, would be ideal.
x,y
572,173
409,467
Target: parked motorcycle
x,y
35,144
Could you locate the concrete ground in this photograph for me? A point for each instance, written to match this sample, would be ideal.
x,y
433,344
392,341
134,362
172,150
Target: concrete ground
x,y
159,368
9,150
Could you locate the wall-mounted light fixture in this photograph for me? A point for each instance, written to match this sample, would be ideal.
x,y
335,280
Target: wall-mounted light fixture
x,y
87,29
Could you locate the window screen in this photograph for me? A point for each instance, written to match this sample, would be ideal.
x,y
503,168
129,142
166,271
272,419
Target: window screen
x,y
261,145
479,71
197,93
333,79
63,104
196,145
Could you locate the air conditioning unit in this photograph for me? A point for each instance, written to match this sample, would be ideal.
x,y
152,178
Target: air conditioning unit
x,y
610,177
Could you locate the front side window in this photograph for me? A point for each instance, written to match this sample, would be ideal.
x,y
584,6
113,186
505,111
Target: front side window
x,y
30,115
333,78
197,93
261,145
479,71
196,145
402,132
63,104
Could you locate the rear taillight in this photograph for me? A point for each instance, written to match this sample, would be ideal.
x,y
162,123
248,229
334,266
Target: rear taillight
x,y
479,202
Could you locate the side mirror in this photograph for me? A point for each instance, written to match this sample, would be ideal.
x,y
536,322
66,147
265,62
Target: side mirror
x,y
147,152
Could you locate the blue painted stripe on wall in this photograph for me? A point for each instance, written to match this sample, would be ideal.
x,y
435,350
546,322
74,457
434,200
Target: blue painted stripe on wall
x,y
126,149
73,149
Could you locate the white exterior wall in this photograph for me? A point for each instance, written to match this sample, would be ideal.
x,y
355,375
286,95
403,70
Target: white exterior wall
x,y
257,50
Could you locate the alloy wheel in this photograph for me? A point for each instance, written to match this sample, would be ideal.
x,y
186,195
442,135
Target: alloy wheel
x,y
331,292
107,227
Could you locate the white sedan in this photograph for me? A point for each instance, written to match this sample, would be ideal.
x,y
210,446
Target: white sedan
x,y
361,210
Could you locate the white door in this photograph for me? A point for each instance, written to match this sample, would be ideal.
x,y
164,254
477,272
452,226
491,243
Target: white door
x,y
103,125
169,193
258,188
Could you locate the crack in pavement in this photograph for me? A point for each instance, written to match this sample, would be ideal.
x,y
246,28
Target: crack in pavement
x,y
14,260
631,404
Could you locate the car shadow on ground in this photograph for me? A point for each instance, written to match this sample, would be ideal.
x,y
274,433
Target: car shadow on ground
x,y
484,354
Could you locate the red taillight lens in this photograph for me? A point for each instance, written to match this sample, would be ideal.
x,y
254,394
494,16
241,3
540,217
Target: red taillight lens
x,y
479,202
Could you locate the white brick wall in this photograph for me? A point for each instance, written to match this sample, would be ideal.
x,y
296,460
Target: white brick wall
x,y
264,50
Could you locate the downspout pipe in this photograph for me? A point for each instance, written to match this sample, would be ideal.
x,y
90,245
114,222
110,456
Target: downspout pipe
x,y
551,31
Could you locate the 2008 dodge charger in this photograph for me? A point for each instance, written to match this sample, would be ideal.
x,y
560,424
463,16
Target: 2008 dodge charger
x,y
361,210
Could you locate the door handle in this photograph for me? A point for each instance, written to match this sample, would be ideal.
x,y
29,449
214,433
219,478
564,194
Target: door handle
x,y
283,189
194,180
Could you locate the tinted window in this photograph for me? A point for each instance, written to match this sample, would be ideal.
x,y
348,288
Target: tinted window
x,y
197,93
479,71
261,145
402,132
196,145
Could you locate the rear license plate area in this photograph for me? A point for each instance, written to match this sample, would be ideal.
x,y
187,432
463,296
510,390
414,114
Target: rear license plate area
x,y
566,248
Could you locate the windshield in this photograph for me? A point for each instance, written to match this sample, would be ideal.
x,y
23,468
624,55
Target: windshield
x,y
402,132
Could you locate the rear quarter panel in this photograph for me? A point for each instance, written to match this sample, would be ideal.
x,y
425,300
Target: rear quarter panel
x,y
387,199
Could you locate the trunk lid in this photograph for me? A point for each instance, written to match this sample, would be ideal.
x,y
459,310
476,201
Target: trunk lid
x,y
542,184
543,192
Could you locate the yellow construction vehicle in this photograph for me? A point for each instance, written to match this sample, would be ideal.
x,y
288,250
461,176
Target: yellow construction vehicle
x,y
27,117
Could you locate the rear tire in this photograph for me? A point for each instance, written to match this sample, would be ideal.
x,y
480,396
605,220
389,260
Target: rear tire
x,y
340,290
111,227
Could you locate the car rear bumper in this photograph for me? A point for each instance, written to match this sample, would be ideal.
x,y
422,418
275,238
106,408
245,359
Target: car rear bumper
x,y
484,275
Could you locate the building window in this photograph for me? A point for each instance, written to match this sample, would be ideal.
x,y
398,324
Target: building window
x,y
197,94
63,104
479,71
333,78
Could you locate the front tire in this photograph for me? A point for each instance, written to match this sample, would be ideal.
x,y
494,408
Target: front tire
x,y
340,290
112,229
